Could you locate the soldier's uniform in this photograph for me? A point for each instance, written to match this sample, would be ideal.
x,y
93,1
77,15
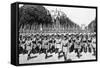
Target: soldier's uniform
x,y
65,48
65,45
89,47
94,46
94,42
84,44
28,45
58,44
45,44
78,48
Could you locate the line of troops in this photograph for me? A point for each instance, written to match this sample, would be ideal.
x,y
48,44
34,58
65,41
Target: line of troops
x,y
62,44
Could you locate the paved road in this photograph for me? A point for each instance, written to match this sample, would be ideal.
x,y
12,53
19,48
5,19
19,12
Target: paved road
x,y
41,58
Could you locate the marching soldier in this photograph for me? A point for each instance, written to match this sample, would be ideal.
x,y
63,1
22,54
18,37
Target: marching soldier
x,y
29,46
65,48
94,46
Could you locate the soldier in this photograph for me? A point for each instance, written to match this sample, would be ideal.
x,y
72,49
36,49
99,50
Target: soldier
x,y
59,46
78,47
46,47
34,45
70,44
29,46
84,43
89,43
52,45
94,45
65,48
39,45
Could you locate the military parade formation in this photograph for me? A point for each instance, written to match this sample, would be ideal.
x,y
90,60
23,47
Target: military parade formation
x,y
60,44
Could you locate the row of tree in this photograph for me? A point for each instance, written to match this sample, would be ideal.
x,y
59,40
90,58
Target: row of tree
x,y
37,17
92,26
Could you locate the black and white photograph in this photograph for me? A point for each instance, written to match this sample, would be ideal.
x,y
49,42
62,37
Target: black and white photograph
x,y
56,34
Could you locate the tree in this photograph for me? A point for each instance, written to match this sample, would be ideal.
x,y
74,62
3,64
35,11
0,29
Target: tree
x,y
92,26
29,14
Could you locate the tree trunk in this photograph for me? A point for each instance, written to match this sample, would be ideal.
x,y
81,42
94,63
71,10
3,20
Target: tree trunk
x,y
40,27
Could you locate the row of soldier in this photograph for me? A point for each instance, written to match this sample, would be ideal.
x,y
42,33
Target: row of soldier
x,y
59,43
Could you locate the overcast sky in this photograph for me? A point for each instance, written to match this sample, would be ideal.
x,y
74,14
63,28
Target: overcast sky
x,y
77,15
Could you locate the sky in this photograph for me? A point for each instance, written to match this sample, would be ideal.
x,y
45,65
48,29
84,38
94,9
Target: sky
x,y
81,16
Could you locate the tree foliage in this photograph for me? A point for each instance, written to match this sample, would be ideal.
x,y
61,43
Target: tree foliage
x,y
92,25
29,14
